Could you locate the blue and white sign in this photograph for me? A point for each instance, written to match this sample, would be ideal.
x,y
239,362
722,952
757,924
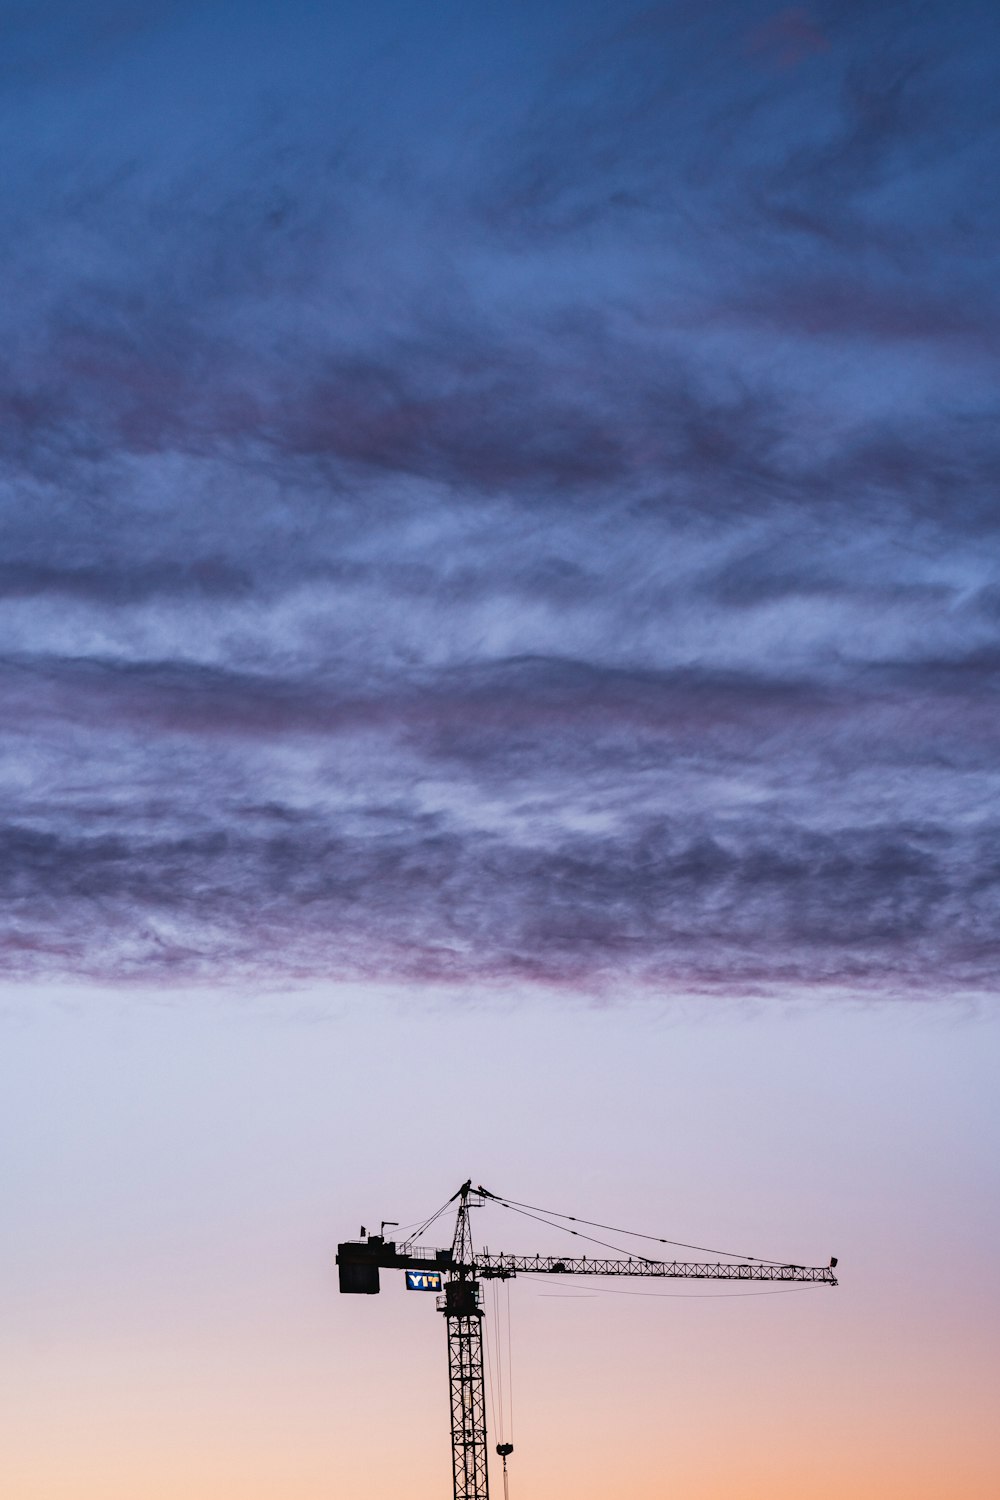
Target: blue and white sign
x,y
423,1281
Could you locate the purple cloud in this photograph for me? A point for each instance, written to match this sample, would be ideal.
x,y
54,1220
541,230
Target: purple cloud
x,y
538,532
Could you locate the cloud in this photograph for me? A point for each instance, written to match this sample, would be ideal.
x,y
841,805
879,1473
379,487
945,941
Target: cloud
x,y
900,908
531,525
543,822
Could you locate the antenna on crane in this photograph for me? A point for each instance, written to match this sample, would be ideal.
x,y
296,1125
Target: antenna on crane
x,y
426,1270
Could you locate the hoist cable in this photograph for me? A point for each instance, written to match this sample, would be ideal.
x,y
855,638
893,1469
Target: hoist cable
x,y
502,1430
510,1368
498,1345
489,1372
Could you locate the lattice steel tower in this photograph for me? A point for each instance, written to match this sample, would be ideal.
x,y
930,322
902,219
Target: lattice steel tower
x,y
460,1305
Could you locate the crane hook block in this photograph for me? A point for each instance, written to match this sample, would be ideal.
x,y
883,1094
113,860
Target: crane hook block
x,y
504,1448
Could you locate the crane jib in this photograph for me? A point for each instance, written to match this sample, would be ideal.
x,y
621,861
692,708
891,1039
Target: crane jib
x,y
360,1262
689,1270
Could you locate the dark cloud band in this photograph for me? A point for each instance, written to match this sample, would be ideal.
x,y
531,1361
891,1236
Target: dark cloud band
x,y
542,532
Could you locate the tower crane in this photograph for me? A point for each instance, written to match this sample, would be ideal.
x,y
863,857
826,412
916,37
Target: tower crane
x,y
455,1274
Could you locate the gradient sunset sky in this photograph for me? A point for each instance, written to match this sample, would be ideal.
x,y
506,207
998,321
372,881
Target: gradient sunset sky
x,y
500,666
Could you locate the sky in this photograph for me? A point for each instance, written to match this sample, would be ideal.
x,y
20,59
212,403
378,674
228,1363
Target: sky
x,y
499,663
176,1178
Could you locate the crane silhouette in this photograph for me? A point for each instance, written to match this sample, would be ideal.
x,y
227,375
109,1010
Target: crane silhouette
x,y
455,1273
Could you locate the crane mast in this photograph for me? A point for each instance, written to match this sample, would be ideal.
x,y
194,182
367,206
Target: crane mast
x,y
455,1273
464,1317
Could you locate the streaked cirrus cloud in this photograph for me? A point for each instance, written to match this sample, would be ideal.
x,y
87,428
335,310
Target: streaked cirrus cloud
x,y
501,500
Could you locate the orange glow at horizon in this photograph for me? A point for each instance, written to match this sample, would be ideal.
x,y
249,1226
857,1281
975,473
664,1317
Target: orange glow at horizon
x,y
174,1330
